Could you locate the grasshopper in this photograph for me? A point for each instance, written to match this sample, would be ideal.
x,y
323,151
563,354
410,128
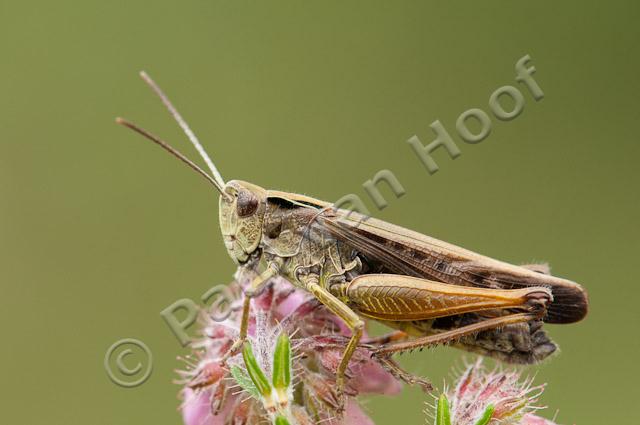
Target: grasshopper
x,y
431,292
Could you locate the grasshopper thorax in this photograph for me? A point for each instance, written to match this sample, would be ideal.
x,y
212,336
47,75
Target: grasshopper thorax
x,y
241,218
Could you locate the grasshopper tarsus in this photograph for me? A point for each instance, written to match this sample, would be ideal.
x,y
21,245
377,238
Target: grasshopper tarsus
x,y
393,368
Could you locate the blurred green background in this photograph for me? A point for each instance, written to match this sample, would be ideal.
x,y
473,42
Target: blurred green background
x,y
100,230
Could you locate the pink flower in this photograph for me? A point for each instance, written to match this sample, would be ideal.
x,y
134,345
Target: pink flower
x,y
196,407
497,396
530,419
355,416
211,396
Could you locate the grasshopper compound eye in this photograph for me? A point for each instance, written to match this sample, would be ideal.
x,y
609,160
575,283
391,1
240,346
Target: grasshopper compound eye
x,y
247,204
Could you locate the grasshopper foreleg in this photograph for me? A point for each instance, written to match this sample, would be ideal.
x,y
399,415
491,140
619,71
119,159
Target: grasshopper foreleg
x,y
254,288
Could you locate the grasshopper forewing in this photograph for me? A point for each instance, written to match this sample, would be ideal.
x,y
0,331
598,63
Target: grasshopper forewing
x,y
404,251
363,268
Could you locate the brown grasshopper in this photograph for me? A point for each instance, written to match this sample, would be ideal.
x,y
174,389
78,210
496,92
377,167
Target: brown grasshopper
x,y
430,291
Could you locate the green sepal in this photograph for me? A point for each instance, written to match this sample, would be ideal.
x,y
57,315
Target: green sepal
x,y
244,381
280,420
442,411
486,416
255,373
282,363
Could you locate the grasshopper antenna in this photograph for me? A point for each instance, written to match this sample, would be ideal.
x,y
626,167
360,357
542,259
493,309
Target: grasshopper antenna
x,y
173,152
185,127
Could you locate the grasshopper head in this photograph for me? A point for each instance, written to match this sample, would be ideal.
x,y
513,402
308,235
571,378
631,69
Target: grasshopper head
x,y
242,204
241,217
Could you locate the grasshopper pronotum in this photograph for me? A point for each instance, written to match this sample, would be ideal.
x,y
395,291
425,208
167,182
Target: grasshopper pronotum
x,y
430,291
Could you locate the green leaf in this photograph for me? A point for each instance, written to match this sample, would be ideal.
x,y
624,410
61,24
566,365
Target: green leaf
x,y
442,411
255,373
486,416
280,420
282,363
245,381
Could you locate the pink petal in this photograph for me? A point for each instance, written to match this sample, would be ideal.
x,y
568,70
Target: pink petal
x,y
354,415
370,377
196,409
289,304
531,419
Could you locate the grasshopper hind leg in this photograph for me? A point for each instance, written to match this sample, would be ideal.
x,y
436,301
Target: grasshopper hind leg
x,y
518,343
407,301
454,335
